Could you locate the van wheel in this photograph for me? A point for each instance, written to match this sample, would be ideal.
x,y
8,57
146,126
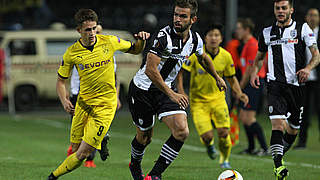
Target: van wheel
x,y
25,98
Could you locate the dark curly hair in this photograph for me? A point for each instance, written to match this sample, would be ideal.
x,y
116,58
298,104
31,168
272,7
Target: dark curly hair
x,y
192,4
85,15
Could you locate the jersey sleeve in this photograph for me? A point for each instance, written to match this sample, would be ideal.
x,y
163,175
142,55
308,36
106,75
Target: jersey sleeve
x,y
65,66
120,44
189,62
230,69
262,47
159,45
308,35
199,49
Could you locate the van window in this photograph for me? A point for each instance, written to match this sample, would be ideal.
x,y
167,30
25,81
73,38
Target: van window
x,y
58,47
22,47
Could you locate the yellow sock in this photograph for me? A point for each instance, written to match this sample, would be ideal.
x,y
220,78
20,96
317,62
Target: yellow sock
x,y
68,165
211,142
225,149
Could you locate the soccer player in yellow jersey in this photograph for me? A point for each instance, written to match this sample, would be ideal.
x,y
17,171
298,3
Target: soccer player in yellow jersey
x,y
206,101
92,55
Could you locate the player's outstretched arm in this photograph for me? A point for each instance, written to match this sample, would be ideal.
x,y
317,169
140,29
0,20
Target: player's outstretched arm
x,y
258,62
154,75
207,64
139,45
235,86
304,73
63,95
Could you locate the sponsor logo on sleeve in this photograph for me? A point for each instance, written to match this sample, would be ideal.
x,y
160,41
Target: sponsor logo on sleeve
x,y
311,35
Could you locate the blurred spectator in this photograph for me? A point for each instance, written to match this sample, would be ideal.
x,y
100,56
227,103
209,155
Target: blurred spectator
x,y
312,85
150,22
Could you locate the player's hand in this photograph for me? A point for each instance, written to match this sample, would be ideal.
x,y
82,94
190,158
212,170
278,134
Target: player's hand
x,y
142,35
68,107
254,81
119,105
180,99
221,84
244,98
303,75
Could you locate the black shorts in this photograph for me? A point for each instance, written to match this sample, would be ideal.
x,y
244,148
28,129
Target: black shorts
x,y
254,96
145,105
285,101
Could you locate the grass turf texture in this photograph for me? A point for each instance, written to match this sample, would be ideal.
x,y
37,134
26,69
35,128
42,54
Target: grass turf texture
x,y
34,144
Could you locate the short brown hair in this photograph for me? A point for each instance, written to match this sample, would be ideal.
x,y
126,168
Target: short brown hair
x,y
192,4
85,15
290,1
247,23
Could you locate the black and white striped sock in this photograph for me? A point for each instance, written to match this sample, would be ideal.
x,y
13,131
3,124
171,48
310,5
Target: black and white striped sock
x,y
137,151
169,152
276,146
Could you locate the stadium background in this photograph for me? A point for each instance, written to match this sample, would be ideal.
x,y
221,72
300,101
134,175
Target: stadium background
x,y
127,14
22,131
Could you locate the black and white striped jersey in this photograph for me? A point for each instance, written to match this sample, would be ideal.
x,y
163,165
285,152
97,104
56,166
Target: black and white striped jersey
x,y
286,50
173,53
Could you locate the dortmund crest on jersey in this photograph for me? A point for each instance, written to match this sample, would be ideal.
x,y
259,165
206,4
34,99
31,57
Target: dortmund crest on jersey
x,y
105,49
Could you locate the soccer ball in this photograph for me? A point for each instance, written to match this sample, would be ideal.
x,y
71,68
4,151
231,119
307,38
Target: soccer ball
x,y
230,175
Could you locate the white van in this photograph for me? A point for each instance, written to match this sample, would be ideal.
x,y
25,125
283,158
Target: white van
x,y
34,58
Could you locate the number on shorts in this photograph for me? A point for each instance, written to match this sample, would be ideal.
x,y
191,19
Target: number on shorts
x,y
301,112
100,130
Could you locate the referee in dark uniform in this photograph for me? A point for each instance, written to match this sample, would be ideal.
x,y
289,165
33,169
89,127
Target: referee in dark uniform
x,y
285,41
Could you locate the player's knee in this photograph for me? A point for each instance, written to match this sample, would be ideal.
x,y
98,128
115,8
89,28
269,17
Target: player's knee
x,y
291,130
206,140
222,132
83,155
75,147
144,138
181,134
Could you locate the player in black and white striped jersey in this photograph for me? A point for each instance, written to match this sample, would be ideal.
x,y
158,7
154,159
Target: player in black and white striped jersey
x,y
285,41
151,90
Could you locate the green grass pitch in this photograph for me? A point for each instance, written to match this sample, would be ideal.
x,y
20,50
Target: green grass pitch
x,y
34,144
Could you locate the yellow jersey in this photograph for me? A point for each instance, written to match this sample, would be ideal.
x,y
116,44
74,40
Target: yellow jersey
x,y
95,67
203,87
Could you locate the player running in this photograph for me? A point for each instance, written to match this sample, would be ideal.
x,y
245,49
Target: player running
x,y
207,102
97,100
285,41
151,92
74,91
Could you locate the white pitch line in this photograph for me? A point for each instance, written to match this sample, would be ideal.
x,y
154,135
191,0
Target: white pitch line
x,y
57,124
